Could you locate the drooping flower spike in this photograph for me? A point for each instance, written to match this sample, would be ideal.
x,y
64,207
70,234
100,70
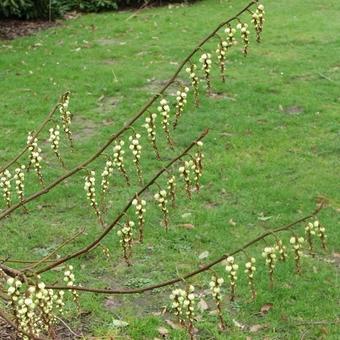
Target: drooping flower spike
x,y
34,307
139,205
232,269
184,172
177,298
199,154
258,21
13,290
150,125
243,27
206,62
19,179
69,278
194,81
66,116
164,110
250,270
106,251
5,185
181,100
282,250
22,306
136,150
221,52
189,302
118,159
161,199
183,306
34,156
215,289
172,189
231,40
126,237
297,243
321,233
90,189
54,139
106,174
270,257
197,165
310,232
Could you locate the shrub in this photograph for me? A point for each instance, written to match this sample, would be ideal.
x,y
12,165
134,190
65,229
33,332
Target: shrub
x,y
45,9
29,9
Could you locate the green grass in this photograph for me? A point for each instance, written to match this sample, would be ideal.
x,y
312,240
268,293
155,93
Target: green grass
x,y
273,149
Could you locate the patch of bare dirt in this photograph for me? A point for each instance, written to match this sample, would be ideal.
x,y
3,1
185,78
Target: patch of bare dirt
x,y
84,128
291,110
222,95
63,330
11,29
107,103
110,42
6,331
141,304
155,85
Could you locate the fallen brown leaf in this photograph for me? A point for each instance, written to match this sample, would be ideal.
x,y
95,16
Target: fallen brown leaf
x,y
266,308
173,325
202,305
187,225
336,257
239,325
163,332
256,328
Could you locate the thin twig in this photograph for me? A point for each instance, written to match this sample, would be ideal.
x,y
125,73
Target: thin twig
x,y
21,261
193,273
69,328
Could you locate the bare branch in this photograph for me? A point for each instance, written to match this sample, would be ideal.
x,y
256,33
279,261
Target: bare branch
x,y
193,273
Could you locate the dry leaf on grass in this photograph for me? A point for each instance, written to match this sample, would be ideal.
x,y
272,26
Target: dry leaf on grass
x,y
238,324
256,328
187,226
173,325
203,255
202,305
163,332
336,257
266,308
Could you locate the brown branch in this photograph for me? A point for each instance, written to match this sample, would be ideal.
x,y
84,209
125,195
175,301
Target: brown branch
x,y
96,242
194,273
35,135
129,123
12,272
8,260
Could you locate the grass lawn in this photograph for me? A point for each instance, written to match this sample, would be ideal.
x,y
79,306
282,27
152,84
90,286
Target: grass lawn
x,y
271,153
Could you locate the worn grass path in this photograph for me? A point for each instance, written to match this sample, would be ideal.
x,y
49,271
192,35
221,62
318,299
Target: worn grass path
x,y
272,151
